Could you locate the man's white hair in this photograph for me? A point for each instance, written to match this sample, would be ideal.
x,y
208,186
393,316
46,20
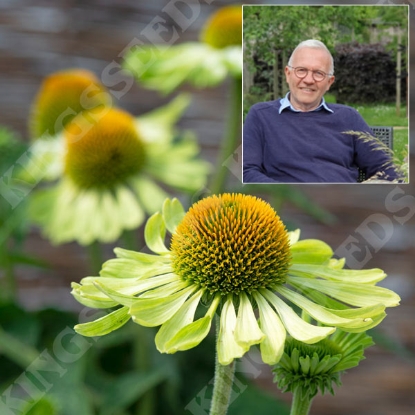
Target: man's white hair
x,y
314,44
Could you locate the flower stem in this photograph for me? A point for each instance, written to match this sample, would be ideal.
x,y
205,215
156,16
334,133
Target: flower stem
x,y
300,405
222,386
95,257
142,362
9,290
230,139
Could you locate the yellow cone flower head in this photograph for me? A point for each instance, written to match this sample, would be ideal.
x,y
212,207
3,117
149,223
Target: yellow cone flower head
x,y
231,255
62,96
231,244
202,64
224,28
105,153
107,170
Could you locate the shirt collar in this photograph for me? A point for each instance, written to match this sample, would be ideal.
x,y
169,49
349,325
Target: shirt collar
x,y
285,103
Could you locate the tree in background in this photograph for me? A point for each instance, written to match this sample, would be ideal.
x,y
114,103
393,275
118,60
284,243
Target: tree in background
x,y
272,32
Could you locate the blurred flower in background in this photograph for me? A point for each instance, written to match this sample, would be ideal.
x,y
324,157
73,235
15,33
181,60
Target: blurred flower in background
x,y
202,64
62,96
108,168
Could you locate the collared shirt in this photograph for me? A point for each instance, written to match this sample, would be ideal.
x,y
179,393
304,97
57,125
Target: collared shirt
x,y
285,103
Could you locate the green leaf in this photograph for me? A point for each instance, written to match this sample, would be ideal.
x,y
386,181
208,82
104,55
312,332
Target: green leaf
x,y
128,388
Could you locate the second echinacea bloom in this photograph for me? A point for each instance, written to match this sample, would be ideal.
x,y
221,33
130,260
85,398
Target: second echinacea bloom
x,y
230,255
106,170
202,64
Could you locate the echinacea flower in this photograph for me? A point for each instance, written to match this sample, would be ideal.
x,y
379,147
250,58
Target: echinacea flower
x,y
202,64
231,255
62,96
306,369
106,169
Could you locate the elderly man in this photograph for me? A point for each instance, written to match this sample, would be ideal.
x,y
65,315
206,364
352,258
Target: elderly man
x,y
300,138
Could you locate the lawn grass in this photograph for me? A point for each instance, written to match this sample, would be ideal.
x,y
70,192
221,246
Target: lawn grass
x,y
384,115
378,114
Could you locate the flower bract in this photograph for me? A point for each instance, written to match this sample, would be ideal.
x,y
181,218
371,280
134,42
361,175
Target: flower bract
x,y
106,170
202,64
230,255
312,368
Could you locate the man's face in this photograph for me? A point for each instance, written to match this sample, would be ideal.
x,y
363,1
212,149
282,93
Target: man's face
x,y
306,93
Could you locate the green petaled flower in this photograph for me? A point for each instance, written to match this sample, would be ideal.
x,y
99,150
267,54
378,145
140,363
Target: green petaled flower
x,y
108,170
231,244
311,368
230,254
201,64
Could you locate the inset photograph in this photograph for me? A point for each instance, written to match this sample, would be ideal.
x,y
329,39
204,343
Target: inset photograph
x,y
325,94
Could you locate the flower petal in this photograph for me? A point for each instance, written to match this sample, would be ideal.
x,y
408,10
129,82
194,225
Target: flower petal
x,y
192,334
349,318
295,325
173,214
90,296
152,312
154,234
359,295
104,325
183,318
125,294
247,331
149,193
272,347
123,268
310,251
166,290
368,276
294,236
130,212
110,225
228,348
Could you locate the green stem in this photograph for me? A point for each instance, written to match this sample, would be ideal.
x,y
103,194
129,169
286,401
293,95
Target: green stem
x,y
231,137
300,405
222,386
95,257
142,363
130,240
9,291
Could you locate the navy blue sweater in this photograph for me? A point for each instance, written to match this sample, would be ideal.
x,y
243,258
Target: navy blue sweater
x,y
308,147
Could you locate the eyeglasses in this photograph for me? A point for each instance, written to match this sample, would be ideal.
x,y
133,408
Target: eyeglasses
x,y
301,73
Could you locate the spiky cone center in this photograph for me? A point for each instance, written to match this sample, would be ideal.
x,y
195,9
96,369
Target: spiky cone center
x,y
231,243
62,96
103,153
224,28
